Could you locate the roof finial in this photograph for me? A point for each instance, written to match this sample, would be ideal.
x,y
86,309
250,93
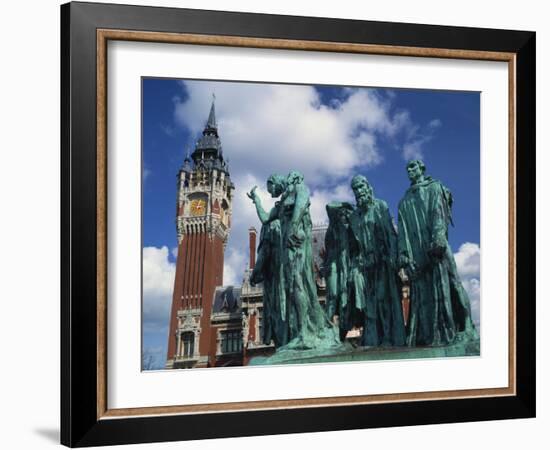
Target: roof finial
x,y
212,116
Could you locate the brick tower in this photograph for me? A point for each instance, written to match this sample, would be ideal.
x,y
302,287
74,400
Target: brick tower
x,y
203,221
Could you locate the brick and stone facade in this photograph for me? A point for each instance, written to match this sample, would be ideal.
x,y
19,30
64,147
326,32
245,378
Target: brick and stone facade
x,y
203,222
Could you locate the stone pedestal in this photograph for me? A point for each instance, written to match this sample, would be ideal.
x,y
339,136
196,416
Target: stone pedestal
x,y
349,354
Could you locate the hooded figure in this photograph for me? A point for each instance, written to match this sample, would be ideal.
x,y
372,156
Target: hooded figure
x,y
440,307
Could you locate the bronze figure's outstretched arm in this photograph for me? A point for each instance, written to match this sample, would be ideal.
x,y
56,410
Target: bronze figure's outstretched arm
x,y
264,216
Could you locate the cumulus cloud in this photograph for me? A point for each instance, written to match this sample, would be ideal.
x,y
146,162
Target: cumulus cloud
x,y
158,284
473,288
413,150
244,211
468,264
244,216
417,138
234,265
321,197
280,127
275,128
467,260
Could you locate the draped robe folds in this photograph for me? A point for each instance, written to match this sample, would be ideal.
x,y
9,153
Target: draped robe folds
x,y
293,317
309,327
269,270
336,266
440,307
375,286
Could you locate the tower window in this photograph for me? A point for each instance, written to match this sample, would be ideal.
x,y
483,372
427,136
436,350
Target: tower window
x,y
231,341
188,339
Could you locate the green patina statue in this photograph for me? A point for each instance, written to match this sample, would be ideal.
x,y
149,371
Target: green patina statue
x,y
374,283
293,316
270,262
363,289
336,267
364,254
440,308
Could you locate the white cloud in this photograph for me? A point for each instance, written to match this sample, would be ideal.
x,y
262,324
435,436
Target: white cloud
x,y
158,284
473,288
233,268
468,264
244,216
244,211
321,197
467,260
276,128
413,148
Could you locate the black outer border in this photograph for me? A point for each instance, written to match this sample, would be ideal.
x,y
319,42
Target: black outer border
x,y
79,425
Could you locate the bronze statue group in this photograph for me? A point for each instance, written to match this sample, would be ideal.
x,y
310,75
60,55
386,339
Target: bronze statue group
x,y
366,261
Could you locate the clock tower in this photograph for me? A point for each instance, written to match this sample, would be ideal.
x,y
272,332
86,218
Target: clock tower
x,y
203,221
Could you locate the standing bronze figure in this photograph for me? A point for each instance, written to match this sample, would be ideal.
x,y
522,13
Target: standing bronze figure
x,y
269,266
374,283
440,307
336,268
285,265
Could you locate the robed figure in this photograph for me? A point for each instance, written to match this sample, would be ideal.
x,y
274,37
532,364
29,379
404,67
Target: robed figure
x,y
269,269
440,307
373,280
285,265
336,267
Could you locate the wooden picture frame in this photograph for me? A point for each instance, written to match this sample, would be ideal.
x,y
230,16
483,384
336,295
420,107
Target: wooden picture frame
x,y
85,416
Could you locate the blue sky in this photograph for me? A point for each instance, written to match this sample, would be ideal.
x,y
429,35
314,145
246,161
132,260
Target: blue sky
x,y
330,134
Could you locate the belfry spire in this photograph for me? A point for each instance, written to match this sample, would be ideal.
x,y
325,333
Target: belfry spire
x,y
209,147
211,123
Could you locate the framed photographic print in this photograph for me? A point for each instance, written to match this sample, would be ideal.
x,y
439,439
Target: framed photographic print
x,y
290,224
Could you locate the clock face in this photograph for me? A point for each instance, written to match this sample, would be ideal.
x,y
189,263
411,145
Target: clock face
x,y
198,207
